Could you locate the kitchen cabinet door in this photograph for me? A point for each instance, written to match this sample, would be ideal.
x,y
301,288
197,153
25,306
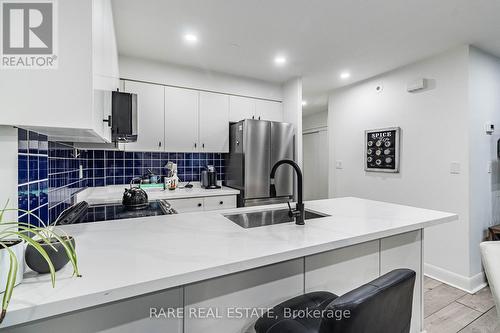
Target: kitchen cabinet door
x,y
241,108
150,116
214,122
181,119
268,110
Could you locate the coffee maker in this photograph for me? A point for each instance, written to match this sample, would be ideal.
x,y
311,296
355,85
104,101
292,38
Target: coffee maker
x,y
209,178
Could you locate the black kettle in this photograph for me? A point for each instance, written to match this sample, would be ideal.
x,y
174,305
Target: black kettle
x,y
135,198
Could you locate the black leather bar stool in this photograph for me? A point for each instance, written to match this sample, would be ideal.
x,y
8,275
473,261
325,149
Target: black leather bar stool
x,y
381,306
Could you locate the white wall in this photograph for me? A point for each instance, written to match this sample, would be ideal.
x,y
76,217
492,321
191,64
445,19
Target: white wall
x,y
484,99
315,120
8,169
186,77
434,127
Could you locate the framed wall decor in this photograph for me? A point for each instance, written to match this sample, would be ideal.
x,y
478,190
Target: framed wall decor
x,y
382,150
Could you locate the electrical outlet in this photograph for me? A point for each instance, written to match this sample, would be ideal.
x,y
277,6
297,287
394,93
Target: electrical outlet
x,y
339,165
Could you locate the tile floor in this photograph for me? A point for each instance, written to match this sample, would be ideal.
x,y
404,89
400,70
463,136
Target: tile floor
x,y
450,310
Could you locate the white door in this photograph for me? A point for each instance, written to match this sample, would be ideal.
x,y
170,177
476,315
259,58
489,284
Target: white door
x,y
315,165
150,116
241,108
214,122
181,119
268,110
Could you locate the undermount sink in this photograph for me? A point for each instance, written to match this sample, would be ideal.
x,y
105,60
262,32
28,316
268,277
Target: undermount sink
x,y
268,217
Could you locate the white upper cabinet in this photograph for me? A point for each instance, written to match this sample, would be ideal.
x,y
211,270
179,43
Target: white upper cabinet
x,y
181,119
268,110
150,116
68,103
214,122
251,108
241,108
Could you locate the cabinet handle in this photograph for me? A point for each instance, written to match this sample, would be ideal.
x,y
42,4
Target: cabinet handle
x,y
221,202
195,145
159,143
108,121
202,145
253,117
259,117
199,204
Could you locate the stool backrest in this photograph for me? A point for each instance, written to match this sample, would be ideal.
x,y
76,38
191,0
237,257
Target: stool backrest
x,y
381,306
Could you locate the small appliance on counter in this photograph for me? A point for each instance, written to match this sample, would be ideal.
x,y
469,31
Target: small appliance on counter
x,y
209,178
171,181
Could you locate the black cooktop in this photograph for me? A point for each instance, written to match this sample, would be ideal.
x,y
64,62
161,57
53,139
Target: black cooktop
x,y
105,212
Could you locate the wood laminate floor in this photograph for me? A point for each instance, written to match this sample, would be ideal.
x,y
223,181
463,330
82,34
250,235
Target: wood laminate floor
x,y
450,310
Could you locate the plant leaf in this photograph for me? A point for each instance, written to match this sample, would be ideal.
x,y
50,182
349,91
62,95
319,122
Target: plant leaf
x,y
42,252
11,280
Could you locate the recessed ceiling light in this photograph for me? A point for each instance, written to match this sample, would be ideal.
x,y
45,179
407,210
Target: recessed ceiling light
x,y
280,60
304,103
345,75
191,38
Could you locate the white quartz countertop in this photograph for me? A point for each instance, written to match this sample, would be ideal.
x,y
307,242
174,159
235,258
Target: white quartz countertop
x,y
114,193
126,258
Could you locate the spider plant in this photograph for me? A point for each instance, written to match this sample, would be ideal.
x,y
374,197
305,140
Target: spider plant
x,y
12,231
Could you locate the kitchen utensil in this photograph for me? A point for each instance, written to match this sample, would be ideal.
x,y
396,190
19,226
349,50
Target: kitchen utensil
x,y
135,198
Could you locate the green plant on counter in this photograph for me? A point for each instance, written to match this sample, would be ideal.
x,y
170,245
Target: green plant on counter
x,y
13,232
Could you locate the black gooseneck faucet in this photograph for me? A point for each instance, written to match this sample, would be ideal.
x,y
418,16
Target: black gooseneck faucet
x,y
298,213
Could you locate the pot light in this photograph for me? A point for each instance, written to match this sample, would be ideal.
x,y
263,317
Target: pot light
x,y
280,60
304,103
345,75
191,38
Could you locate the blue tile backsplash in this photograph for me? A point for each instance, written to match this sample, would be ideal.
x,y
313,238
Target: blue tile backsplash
x,y
49,172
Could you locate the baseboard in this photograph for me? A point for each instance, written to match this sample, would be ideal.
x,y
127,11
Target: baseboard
x,y
467,284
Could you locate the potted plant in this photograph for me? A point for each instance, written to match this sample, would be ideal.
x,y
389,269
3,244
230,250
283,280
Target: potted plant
x,y
14,235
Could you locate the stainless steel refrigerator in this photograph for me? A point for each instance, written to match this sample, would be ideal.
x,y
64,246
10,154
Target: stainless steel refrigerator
x,y
254,147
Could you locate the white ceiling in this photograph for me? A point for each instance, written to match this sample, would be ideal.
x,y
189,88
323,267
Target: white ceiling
x,y
320,38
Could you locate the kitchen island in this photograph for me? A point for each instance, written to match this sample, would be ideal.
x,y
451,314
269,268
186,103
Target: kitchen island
x,y
196,272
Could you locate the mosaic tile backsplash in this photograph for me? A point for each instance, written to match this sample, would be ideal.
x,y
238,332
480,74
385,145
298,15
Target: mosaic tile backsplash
x,y
51,173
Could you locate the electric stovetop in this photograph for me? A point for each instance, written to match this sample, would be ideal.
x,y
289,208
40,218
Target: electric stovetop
x,y
105,212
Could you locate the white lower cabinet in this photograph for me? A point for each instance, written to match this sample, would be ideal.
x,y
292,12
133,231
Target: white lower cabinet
x,y
187,205
258,288
203,203
220,202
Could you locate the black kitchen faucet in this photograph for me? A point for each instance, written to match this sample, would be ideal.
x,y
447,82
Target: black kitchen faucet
x,y
298,213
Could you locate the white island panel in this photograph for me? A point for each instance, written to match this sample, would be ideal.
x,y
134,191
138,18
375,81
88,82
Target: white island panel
x,y
342,270
405,251
256,289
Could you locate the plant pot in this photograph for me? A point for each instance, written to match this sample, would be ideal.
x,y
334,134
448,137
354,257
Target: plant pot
x,y
59,258
18,248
